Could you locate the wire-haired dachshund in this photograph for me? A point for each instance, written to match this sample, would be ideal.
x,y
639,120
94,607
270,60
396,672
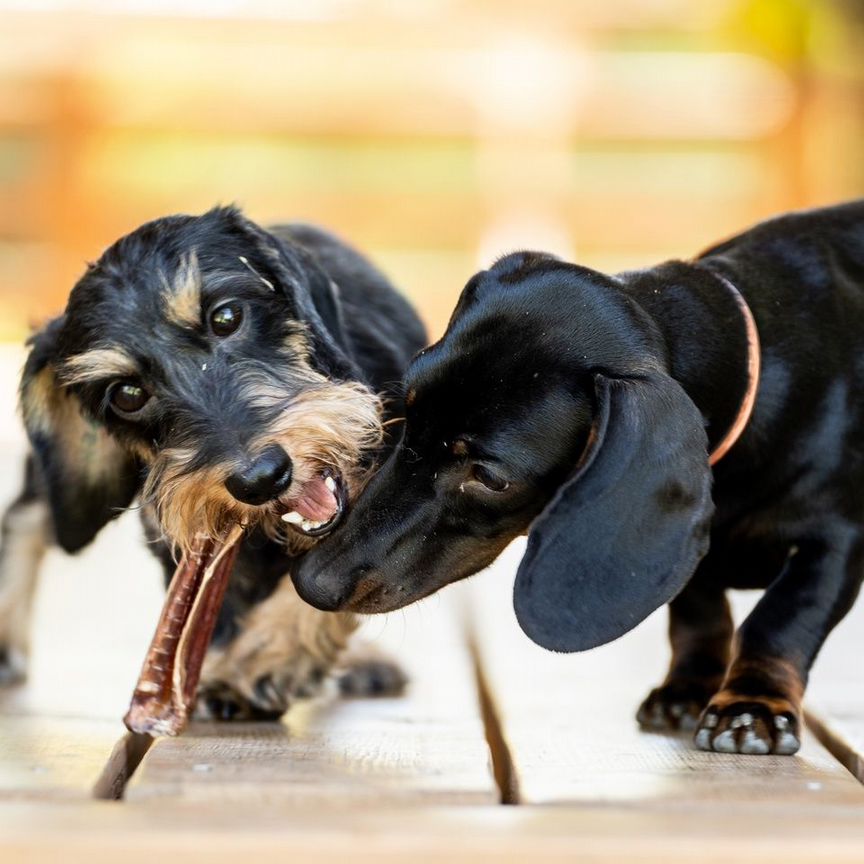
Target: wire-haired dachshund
x,y
214,371
586,409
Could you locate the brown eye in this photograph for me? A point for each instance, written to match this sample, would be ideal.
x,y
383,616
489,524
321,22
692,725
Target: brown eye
x,y
224,320
490,480
126,397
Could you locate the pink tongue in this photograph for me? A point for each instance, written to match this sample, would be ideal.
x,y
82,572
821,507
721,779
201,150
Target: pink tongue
x,y
316,502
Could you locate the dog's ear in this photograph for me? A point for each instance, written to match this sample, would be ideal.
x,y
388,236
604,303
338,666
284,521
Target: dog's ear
x,y
625,533
87,476
318,306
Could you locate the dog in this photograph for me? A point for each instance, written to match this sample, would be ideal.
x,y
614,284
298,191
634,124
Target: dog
x,y
582,408
213,371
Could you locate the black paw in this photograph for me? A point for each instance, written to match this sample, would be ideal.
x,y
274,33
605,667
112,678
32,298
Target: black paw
x,y
372,678
13,666
675,705
221,702
751,727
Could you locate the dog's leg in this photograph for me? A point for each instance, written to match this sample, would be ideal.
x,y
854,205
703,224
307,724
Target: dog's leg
x,y
700,631
283,651
25,534
758,708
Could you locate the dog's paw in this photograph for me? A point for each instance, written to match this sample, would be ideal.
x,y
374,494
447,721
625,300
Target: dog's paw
x,y
13,666
675,705
749,725
372,678
283,652
258,685
271,696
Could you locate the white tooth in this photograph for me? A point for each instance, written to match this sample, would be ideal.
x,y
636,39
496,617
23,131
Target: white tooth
x,y
293,517
306,525
330,483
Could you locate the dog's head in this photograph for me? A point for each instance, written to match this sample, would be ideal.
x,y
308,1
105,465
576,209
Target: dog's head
x,y
199,363
545,407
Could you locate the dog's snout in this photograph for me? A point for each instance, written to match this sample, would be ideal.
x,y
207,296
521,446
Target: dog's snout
x,y
266,477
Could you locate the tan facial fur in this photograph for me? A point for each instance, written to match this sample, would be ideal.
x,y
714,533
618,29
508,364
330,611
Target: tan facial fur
x,y
183,294
97,364
87,451
327,425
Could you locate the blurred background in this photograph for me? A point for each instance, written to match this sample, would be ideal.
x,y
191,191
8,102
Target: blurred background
x,y
434,134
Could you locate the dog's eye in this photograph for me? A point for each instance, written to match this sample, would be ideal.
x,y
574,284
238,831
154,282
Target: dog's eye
x,y
489,479
126,397
225,319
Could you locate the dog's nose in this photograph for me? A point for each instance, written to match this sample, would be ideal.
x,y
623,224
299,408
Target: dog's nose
x,y
263,479
320,590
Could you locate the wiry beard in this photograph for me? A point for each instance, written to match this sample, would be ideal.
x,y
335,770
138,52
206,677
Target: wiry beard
x,y
327,425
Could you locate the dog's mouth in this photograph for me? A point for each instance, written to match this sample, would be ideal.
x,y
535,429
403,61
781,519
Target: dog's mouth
x,y
318,507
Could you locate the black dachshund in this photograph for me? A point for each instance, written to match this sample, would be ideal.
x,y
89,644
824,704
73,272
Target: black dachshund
x,y
215,372
584,408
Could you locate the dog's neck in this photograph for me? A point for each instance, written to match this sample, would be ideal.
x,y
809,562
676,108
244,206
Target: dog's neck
x,y
711,342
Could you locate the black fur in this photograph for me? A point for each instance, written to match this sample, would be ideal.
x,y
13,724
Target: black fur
x,y
538,353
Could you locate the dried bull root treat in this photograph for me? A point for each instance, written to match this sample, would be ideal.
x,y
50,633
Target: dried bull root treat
x,y
165,694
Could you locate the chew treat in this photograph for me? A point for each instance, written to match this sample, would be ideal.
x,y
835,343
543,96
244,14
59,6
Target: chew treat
x,y
165,693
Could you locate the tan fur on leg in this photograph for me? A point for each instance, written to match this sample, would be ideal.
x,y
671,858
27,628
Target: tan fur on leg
x,y
25,533
283,651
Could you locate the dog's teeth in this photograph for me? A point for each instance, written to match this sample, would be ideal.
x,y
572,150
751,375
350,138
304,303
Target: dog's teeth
x,y
293,517
330,483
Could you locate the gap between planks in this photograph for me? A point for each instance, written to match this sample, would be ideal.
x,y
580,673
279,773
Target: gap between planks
x,y
503,770
836,744
131,750
127,755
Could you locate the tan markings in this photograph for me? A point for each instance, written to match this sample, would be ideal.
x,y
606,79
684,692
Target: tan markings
x,y
779,675
283,638
724,698
98,364
183,294
39,397
459,448
25,539
295,346
330,425
87,452
190,502
410,397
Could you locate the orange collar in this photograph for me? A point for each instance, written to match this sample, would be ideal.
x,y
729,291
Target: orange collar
x,y
754,363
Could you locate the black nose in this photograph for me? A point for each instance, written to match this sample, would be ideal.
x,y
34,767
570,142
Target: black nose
x,y
318,588
263,479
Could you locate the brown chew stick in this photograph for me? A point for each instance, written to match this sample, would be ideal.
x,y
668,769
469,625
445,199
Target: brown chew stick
x,y
165,693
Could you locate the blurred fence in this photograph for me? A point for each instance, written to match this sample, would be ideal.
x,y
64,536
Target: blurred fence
x,y
435,134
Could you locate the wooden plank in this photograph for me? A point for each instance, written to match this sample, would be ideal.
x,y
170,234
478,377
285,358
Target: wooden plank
x,y
568,722
427,746
109,833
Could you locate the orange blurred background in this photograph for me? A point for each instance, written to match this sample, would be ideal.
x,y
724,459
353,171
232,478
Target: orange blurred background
x,y
434,134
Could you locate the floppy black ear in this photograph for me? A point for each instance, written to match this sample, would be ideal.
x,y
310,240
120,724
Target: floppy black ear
x,y
87,476
625,533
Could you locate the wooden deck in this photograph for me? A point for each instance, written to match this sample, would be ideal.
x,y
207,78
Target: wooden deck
x,y
498,749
